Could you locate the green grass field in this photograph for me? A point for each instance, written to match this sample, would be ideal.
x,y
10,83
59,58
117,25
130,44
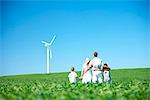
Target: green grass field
x,y
133,84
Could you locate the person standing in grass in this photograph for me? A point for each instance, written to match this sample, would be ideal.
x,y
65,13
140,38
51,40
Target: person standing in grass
x,y
72,75
86,74
96,65
106,73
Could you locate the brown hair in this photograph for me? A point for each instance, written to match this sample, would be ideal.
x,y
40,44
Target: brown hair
x,y
72,68
105,64
107,67
95,54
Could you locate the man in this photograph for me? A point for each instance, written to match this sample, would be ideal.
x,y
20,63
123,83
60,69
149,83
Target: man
x,y
97,66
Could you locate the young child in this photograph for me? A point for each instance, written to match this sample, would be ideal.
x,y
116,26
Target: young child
x,y
72,75
106,73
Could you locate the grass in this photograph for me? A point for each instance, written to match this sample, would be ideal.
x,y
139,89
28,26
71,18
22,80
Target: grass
x,y
126,84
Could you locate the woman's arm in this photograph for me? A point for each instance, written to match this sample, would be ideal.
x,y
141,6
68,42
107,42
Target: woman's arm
x,y
82,72
88,69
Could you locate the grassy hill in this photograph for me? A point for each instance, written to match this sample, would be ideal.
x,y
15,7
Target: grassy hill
x,y
126,84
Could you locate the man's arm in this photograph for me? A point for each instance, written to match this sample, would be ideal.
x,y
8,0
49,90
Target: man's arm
x,y
102,65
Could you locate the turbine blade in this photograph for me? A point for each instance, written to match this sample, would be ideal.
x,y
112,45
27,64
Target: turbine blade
x,y
44,42
53,40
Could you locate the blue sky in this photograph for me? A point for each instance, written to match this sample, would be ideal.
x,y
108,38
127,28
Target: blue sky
x,y
118,31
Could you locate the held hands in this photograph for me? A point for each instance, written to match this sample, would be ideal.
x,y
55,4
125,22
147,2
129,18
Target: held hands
x,y
80,77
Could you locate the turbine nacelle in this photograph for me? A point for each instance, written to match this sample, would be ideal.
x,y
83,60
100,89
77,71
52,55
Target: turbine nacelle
x,y
46,44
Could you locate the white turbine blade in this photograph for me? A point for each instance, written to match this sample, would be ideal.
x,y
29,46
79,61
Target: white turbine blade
x,y
50,53
44,42
53,40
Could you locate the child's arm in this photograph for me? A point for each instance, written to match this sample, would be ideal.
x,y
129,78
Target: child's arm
x,y
76,75
69,75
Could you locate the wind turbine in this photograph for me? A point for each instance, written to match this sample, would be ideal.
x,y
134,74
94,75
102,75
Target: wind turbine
x,y
49,52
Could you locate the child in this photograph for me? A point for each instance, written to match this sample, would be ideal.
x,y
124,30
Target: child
x,y
86,73
106,73
72,75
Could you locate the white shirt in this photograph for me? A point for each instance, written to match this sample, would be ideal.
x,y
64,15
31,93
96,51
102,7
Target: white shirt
x,y
87,75
106,76
72,77
106,73
96,63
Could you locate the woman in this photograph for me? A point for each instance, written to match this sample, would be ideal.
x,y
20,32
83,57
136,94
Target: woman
x,y
86,73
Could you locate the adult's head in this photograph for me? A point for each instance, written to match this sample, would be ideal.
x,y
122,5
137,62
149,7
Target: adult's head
x,y
95,54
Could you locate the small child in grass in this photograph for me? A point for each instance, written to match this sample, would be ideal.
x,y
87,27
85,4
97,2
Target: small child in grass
x,y
106,73
72,75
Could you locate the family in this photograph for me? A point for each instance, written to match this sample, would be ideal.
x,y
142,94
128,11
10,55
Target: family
x,y
92,71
